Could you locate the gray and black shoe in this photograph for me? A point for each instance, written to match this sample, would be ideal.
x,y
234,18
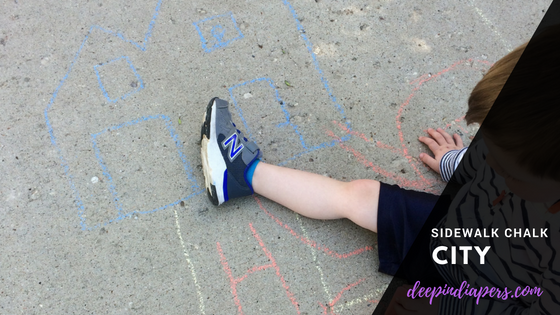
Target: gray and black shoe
x,y
226,154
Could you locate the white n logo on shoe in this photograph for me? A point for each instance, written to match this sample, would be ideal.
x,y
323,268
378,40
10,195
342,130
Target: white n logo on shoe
x,y
234,147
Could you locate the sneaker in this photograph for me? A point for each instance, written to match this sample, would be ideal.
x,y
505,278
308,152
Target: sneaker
x,y
226,153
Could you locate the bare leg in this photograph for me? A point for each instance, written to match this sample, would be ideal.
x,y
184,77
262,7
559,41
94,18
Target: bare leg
x,y
319,197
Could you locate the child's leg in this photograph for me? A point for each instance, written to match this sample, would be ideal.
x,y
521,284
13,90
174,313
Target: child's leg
x,y
228,159
319,197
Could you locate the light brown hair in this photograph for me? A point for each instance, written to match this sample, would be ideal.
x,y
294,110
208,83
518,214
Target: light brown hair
x,y
487,90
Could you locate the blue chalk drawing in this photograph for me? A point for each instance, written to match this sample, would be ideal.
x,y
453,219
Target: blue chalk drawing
x,y
188,171
63,161
309,46
278,101
282,105
324,81
218,31
215,32
108,64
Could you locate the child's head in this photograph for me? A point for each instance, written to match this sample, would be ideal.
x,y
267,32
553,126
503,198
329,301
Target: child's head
x,y
522,129
488,88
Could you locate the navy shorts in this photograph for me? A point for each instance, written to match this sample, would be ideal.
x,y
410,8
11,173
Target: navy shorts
x,y
401,215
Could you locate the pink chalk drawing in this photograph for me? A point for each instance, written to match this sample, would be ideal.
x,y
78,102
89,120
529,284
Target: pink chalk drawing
x,y
235,281
329,308
422,183
321,248
312,243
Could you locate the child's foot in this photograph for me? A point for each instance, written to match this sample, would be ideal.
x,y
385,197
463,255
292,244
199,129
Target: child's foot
x,y
226,154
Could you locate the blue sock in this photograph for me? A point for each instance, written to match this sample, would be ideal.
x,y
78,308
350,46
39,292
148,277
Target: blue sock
x,y
250,171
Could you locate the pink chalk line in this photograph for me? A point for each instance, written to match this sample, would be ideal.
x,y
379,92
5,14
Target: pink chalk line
x,y
399,180
423,183
378,144
234,281
309,242
331,304
423,79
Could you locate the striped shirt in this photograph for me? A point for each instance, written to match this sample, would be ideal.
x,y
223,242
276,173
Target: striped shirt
x,y
449,162
484,201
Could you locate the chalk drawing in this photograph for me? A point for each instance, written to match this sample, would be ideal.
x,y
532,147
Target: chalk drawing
x,y
329,308
64,158
423,183
282,119
235,281
218,31
189,264
136,85
309,242
215,32
314,258
491,26
133,83
111,185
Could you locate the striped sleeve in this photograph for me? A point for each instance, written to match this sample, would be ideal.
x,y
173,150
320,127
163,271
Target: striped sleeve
x,y
466,163
449,163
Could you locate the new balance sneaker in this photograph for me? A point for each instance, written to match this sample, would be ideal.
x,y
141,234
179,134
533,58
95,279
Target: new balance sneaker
x,y
226,154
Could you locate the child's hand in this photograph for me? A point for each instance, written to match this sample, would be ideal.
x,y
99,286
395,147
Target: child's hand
x,y
439,143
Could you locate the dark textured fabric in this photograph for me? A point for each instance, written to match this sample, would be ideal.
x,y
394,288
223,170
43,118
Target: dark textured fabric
x,y
400,218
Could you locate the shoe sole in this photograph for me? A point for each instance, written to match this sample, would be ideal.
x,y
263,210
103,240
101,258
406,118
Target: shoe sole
x,y
213,168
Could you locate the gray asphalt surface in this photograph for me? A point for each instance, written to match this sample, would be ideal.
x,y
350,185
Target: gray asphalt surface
x,y
102,208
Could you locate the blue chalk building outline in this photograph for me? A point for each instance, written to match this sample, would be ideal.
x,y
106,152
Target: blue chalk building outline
x,y
64,163
278,100
309,46
112,188
218,32
140,83
282,105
